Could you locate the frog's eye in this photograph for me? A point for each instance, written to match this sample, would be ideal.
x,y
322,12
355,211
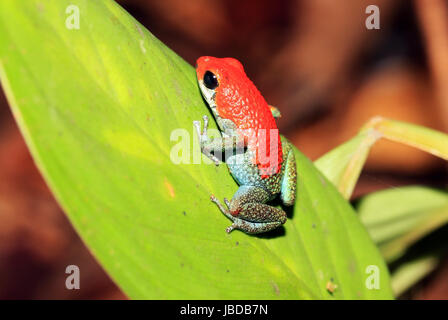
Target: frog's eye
x,y
210,80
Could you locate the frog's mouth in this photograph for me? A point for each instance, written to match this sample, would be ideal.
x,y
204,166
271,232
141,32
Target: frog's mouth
x,y
209,96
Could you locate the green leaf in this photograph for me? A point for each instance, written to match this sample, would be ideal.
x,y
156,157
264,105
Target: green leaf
x,y
412,271
397,218
343,164
98,107
422,138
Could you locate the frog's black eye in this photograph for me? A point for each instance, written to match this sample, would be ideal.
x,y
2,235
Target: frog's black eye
x,y
210,80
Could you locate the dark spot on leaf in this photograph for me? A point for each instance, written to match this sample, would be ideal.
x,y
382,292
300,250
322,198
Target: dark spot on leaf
x,y
314,226
227,270
352,266
276,288
114,20
140,30
237,243
322,180
40,7
184,213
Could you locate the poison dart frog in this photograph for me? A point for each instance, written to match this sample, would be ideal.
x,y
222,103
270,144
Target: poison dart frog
x,y
265,165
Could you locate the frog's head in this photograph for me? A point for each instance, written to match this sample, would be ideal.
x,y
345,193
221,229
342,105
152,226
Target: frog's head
x,y
226,88
237,105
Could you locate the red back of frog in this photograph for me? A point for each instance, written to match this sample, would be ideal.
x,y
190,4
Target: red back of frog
x,y
237,99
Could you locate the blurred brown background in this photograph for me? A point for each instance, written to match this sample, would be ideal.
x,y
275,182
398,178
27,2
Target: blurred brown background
x,y
313,59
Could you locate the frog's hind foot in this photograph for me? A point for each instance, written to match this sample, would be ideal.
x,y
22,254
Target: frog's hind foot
x,y
223,209
237,223
231,228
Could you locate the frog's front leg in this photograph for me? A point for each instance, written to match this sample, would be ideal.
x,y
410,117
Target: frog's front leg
x,y
249,213
220,144
204,140
275,112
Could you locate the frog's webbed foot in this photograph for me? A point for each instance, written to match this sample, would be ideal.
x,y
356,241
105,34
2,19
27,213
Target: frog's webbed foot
x,y
226,212
223,209
204,140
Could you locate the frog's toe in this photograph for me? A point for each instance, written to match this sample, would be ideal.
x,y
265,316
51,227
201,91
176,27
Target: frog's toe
x,y
231,228
205,119
223,209
227,202
197,125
